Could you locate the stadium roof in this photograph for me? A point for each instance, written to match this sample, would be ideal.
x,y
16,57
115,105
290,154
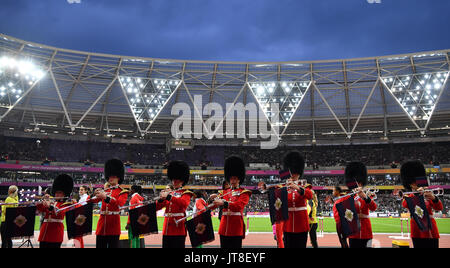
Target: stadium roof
x,y
54,90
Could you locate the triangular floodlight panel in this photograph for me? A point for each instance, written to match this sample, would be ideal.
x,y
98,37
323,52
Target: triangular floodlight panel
x,y
16,77
147,97
417,94
287,94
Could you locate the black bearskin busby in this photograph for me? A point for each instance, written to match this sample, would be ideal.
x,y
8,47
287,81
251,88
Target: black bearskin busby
x,y
294,162
410,171
178,170
234,167
355,172
114,168
137,189
63,183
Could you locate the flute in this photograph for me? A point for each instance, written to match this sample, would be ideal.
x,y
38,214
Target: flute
x,y
144,202
68,208
435,191
202,210
369,191
39,200
261,187
141,203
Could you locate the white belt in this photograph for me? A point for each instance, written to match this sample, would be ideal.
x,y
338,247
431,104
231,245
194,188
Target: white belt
x,y
232,213
363,216
298,209
53,220
174,215
109,212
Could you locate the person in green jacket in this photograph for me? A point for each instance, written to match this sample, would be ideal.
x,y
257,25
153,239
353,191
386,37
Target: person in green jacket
x,y
12,198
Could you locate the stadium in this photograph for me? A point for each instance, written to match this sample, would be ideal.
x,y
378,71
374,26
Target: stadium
x,y
66,111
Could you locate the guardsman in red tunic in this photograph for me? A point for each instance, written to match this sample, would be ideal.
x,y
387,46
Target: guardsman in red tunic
x,y
409,173
233,201
296,228
200,203
337,192
175,202
52,229
108,226
356,176
135,201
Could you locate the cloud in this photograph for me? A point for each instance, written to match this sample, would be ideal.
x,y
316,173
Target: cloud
x,y
260,30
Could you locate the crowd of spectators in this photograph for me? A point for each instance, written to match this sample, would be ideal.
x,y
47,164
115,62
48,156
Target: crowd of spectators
x,y
330,156
154,155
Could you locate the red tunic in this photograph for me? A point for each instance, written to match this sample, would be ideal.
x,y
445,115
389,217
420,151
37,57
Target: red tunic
x,y
336,213
232,222
109,222
175,209
200,204
362,208
298,221
135,199
52,229
434,232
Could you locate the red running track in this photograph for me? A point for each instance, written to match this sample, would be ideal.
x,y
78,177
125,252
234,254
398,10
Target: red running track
x,y
253,240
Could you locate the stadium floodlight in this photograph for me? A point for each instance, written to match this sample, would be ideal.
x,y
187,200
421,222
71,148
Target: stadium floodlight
x,y
287,94
419,97
16,77
147,97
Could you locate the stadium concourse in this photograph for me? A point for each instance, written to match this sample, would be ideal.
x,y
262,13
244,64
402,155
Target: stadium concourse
x,y
66,111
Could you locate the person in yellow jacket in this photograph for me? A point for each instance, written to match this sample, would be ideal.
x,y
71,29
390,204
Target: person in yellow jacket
x,y
312,213
12,198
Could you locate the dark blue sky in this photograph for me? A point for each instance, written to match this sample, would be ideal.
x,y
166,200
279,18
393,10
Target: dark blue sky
x,y
232,30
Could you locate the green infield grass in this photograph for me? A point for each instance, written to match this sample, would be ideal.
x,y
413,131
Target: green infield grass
x,y
379,225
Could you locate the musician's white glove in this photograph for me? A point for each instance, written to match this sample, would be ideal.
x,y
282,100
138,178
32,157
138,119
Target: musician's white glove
x,y
219,202
163,195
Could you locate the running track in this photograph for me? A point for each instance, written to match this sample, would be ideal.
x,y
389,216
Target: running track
x,y
253,240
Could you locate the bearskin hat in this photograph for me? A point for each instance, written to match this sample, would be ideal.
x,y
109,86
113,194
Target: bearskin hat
x,y
410,171
136,188
178,170
355,172
294,162
114,168
62,183
234,167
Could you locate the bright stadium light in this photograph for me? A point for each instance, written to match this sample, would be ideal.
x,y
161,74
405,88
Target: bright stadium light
x,y
16,76
147,97
418,98
287,94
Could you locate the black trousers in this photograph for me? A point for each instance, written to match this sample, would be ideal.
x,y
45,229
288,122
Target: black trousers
x,y
230,241
178,241
313,235
6,240
107,241
49,245
295,240
425,242
358,243
342,238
